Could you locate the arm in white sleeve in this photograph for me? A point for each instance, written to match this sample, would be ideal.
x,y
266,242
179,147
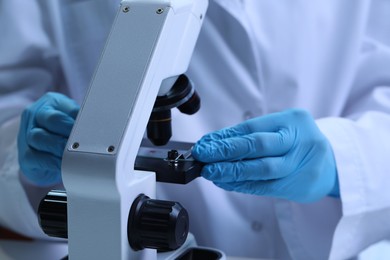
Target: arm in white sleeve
x,y
16,211
28,68
361,147
360,138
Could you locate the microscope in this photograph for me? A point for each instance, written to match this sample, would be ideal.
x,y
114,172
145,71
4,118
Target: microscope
x,y
109,210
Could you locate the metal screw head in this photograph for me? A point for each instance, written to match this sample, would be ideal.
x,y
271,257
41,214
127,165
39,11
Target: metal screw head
x,y
172,155
111,148
126,9
160,10
75,145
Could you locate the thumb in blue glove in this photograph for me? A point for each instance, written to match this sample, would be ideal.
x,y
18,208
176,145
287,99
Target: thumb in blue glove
x,y
44,130
281,155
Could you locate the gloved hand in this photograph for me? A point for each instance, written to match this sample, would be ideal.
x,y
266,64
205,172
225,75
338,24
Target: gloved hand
x,y
44,130
281,155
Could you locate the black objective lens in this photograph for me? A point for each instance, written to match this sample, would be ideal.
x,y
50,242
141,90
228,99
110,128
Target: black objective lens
x,y
183,96
191,106
159,129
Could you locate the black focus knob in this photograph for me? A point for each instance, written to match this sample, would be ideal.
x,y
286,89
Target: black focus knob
x,y
157,224
52,214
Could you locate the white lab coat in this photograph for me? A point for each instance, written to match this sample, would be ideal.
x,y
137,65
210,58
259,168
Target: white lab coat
x,y
330,57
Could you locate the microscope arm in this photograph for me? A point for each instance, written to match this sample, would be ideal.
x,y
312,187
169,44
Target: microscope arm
x,y
150,44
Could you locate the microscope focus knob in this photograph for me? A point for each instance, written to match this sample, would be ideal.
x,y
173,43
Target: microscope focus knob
x,y
157,224
52,214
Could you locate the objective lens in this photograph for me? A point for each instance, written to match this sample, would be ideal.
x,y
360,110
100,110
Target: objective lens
x,y
183,96
191,106
159,129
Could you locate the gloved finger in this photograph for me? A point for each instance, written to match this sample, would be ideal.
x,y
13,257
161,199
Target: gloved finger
x,y
24,127
27,120
229,186
221,134
62,103
243,147
268,123
269,168
44,141
54,121
69,107
42,168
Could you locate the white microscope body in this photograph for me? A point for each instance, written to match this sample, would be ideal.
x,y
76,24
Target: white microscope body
x,y
150,44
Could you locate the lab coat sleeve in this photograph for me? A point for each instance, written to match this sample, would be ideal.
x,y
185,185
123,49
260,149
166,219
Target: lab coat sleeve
x,y
27,66
340,229
16,211
361,145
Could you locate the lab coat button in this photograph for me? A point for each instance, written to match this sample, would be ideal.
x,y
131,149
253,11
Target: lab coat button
x,y
257,226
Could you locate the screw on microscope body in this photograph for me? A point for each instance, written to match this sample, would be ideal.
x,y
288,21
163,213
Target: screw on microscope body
x,y
126,9
160,10
75,145
111,148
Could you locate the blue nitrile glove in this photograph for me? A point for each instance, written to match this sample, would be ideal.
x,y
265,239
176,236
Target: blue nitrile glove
x,y
44,130
281,155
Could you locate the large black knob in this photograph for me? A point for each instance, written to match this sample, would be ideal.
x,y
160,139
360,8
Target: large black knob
x,y
157,224
52,214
